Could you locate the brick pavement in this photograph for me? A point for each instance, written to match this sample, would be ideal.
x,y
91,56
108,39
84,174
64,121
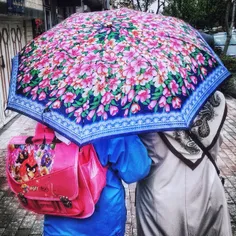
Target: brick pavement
x,y
15,221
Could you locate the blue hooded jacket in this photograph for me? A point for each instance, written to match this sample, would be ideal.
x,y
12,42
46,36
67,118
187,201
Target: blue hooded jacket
x,y
129,161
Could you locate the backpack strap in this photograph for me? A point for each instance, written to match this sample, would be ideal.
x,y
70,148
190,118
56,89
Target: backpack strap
x,y
206,152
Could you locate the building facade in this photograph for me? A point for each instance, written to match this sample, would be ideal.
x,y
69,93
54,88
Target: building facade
x,y
20,22
16,28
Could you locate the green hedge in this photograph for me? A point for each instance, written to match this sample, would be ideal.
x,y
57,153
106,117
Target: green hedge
x,y
229,62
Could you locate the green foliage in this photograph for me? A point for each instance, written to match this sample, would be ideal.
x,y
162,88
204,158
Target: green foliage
x,y
199,13
229,62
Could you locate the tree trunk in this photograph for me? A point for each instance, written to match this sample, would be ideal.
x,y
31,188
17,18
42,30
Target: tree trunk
x,y
229,29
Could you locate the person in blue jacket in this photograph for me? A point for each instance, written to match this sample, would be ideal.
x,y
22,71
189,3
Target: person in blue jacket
x,y
129,161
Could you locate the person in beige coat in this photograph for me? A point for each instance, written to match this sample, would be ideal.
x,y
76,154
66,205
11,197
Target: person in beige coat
x,y
183,194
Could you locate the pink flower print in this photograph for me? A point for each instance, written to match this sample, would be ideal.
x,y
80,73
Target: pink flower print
x,y
53,93
106,98
166,92
194,62
131,95
143,95
194,79
57,74
184,91
123,100
141,79
161,66
210,62
192,87
100,110
126,112
113,83
101,68
131,81
91,57
110,57
74,52
150,73
69,80
56,104
26,78
118,97
183,72
60,92
104,116
42,96
69,97
77,83
129,71
70,109
86,106
44,62
78,119
187,84
185,51
61,84
174,87
110,43
203,70
138,64
58,57
135,108
159,80
119,48
200,59
45,73
176,102
161,34
176,45
129,55
44,83
167,107
176,59
126,88
74,71
90,114
78,112
152,104
93,47
124,32
194,69
66,45
87,82
172,67
113,110
153,43
99,88
162,101
34,92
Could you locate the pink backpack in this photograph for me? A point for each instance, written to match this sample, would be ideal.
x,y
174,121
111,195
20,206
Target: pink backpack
x,y
51,177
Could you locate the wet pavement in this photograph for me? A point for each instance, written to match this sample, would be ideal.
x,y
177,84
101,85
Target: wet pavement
x,y
15,221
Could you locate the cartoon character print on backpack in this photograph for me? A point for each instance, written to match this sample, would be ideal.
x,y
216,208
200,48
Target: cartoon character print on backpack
x,y
30,161
29,168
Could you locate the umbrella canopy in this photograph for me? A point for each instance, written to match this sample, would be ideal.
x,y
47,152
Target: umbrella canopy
x,y
115,72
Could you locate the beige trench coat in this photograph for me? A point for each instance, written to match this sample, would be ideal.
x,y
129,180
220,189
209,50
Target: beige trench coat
x,y
175,200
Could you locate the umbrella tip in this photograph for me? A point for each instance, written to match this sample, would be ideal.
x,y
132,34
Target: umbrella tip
x,y
108,24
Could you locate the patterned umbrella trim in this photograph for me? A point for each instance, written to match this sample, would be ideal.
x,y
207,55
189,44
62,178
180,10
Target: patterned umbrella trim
x,y
160,122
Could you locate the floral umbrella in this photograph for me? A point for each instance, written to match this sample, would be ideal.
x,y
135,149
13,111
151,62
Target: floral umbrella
x,y
114,72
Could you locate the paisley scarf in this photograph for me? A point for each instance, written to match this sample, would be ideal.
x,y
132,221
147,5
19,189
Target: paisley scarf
x,y
206,128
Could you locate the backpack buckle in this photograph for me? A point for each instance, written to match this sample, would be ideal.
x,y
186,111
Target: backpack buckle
x,y
22,198
66,202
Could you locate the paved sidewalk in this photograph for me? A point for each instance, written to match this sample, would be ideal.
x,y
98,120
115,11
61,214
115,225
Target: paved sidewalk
x,y
15,221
